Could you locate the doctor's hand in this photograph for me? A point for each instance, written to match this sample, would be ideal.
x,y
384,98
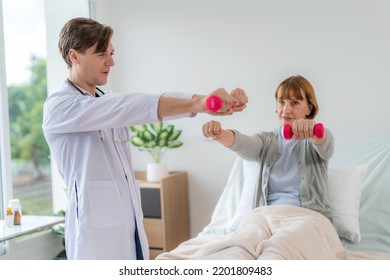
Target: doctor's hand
x,y
227,102
213,129
240,99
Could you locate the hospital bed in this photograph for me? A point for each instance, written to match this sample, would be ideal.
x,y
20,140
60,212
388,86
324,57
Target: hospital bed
x,y
359,185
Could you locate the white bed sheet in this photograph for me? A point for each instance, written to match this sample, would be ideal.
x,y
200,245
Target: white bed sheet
x,y
277,232
375,194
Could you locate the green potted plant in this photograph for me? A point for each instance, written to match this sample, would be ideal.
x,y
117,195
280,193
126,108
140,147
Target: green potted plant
x,y
156,139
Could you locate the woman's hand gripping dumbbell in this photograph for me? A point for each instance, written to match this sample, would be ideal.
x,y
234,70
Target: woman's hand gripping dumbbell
x,y
318,131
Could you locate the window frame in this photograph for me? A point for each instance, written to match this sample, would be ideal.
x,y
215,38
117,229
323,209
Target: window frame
x,y
5,144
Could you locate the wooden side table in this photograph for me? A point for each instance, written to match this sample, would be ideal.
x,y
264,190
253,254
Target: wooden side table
x,y
165,208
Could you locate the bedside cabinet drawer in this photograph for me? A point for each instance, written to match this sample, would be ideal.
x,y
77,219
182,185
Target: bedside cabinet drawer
x,y
150,202
153,229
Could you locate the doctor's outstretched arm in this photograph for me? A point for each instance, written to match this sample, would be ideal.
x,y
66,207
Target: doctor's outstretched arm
x,y
168,106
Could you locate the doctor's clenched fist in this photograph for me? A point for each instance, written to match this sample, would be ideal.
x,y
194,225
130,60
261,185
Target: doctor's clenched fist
x,y
240,99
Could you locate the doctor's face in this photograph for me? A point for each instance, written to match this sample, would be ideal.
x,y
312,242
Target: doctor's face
x,y
94,67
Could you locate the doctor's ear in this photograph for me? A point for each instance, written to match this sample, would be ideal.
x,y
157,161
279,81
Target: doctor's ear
x,y
73,56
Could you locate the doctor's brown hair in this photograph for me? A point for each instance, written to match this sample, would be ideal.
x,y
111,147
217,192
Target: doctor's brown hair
x,y
82,33
297,86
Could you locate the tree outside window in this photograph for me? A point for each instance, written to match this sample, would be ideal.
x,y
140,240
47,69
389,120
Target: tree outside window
x,y
25,64
29,150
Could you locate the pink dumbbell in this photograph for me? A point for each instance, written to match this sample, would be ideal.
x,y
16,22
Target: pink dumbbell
x,y
318,131
214,103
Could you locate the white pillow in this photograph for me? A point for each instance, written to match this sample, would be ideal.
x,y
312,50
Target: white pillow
x,y
345,186
251,178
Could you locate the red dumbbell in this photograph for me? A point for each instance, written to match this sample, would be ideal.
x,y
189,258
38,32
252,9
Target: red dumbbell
x,y
318,131
214,103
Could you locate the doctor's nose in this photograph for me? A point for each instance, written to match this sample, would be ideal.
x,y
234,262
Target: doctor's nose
x,y
110,61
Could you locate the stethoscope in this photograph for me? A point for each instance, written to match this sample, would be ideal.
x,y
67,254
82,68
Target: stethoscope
x,y
118,138
80,91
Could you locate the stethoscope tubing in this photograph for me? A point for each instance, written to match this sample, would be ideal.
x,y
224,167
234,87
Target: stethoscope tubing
x,y
80,91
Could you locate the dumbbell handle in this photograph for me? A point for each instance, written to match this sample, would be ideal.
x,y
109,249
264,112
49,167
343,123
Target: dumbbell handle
x,y
318,131
215,103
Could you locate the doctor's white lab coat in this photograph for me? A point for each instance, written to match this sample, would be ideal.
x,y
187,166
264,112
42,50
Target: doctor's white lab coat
x,y
87,139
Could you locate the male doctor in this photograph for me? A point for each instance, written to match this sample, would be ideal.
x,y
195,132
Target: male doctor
x,y
87,132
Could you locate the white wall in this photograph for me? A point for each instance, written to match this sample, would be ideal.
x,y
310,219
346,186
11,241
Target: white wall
x,y
342,47
56,15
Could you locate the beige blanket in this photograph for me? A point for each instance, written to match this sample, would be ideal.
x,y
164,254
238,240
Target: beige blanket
x,y
273,233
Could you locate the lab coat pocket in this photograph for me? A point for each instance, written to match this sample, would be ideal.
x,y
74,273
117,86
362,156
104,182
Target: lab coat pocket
x,y
105,204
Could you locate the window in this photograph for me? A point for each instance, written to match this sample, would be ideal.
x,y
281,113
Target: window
x,y
25,169
25,65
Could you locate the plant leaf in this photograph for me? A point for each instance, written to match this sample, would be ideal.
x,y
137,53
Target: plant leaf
x,y
162,142
150,145
138,128
174,144
170,129
147,136
163,135
137,141
174,135
157,127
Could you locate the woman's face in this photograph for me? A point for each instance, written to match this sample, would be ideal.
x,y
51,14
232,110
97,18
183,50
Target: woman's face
x,y
290,108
